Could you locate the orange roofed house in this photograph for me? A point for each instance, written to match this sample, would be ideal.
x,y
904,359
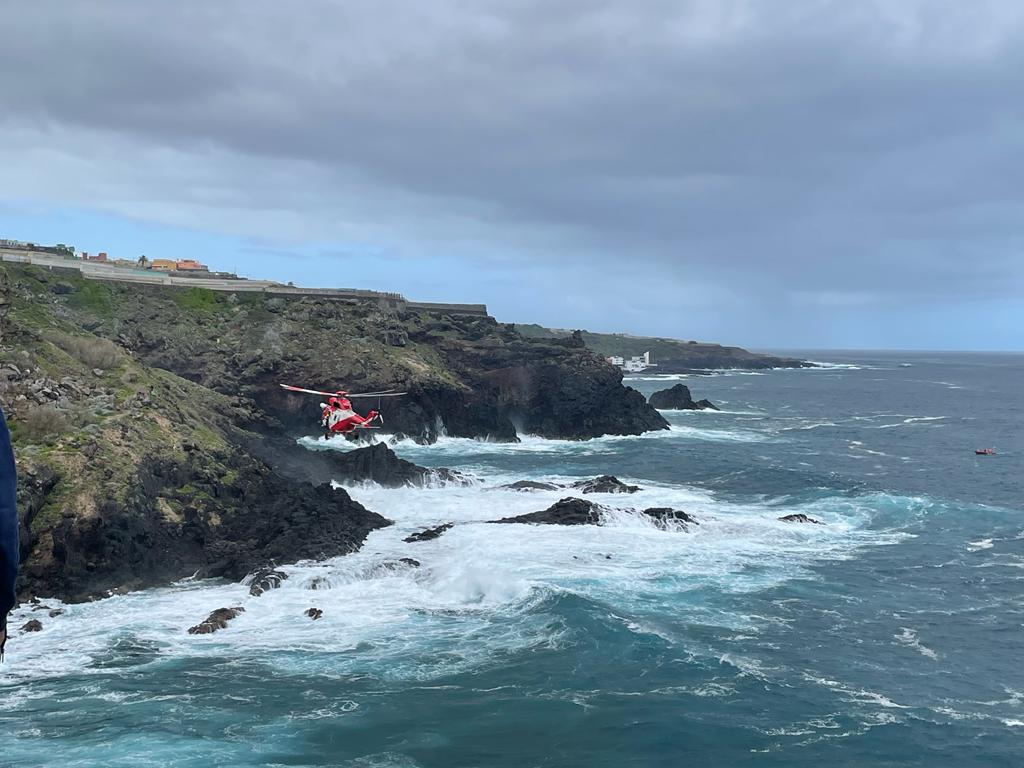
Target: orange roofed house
x,y
188,265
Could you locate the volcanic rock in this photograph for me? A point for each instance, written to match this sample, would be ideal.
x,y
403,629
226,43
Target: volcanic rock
x,y
530,485
33,625
604,484
379,464
666,515
678,398
217,620
800,517
568,511
314,613
266,580
427,535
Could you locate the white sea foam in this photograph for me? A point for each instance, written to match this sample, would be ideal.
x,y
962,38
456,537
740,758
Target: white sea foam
x,y
460,447
908,637
480,589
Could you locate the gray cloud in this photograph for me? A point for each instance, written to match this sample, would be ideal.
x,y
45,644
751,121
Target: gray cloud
x,y
823,153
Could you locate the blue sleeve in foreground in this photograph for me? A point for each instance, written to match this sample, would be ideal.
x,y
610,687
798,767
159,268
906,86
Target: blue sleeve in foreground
x,y
8,523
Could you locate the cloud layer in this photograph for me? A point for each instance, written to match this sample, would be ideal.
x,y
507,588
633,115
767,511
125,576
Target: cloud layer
x,y
760,160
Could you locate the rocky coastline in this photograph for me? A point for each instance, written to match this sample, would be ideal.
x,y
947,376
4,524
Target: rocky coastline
x,y
154,444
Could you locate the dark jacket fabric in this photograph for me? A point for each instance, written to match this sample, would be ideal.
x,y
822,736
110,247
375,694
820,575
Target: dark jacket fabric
x,y
8,523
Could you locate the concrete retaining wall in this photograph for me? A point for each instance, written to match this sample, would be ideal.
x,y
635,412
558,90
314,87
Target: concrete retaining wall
x,y
99,271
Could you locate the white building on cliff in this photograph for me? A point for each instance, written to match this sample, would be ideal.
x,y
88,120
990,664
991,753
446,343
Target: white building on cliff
x,y
633,364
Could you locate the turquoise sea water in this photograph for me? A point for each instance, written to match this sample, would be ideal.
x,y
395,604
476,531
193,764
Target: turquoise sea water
x,y
892,635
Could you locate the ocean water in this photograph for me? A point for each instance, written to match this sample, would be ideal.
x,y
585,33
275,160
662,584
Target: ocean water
x,y
892,635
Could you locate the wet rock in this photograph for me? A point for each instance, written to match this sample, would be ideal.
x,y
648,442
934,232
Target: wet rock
x,y
800,517
568,511
678,398
55,613
218,619
411,562
314,613
266,580
530,485
666,516
604,484
33,625
428,535
379,464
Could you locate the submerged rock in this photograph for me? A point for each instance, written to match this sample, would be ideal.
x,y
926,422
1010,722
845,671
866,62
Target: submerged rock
x,y
314,613
530,485
568,511
217,620
800,517
428,535
666,515
266,580
394,566
604,484
678,398
379,464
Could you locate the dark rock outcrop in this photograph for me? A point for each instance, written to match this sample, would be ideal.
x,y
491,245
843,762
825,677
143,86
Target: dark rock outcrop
x,y
427,535
568,511
800,517
177,519
314,613
530,485
666,516
678,398
573,511
217,620
265,580
32,625
604,484
379,464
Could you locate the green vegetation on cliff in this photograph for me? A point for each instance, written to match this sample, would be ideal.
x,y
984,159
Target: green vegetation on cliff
x,y
131,475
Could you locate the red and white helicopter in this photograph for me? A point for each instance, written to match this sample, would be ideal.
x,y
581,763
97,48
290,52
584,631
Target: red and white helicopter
x,y
337,416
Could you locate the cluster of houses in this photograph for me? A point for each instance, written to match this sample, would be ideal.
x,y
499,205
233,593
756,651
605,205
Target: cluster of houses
x,y
187,266
633,364
161,265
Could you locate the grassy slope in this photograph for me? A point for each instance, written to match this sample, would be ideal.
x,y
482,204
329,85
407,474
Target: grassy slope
x,y
97,424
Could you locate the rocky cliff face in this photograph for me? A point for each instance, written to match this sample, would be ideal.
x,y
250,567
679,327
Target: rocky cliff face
x,y
466,376
131,476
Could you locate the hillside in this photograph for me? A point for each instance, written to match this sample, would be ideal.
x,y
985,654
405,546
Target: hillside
x,y
671,355
154,443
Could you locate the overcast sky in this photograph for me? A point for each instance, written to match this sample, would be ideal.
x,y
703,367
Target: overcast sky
x,y
805,173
